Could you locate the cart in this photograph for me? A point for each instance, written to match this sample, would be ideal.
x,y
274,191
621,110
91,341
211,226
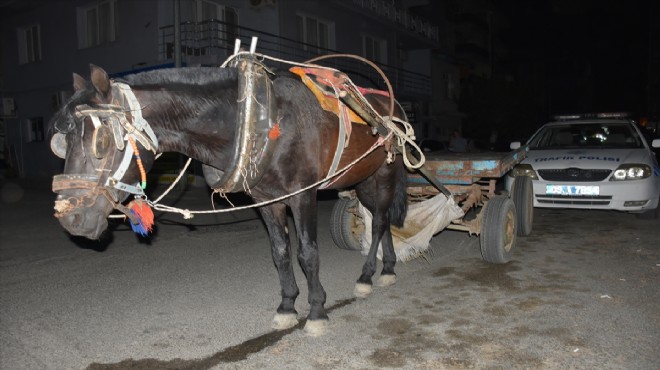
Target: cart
x,y
470,179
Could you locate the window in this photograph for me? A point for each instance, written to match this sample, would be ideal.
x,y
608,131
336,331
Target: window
x,y
97,23
29,44
218,24
35,129
315,33
206,25
374,49
231,25
451,92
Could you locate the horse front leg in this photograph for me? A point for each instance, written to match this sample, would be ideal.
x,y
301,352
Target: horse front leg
x,y
304,212
276,222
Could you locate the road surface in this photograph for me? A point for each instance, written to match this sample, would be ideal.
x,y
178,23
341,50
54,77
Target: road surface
x,y
581,292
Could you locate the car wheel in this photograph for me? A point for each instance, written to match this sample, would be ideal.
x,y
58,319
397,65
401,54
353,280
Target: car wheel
x,y
523,198
346,225
498,230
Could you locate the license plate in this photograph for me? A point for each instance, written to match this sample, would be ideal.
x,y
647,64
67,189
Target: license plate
x,y
572,190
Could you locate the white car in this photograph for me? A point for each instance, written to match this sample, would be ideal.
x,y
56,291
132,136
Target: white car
x,y
602,162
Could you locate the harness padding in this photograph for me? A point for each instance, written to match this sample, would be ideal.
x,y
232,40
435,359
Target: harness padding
x,y
254,139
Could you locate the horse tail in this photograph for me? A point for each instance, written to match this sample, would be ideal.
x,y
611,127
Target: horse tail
x,y
399,208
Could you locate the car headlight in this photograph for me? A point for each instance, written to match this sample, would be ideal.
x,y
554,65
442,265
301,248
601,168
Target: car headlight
x,y
631,171
523,170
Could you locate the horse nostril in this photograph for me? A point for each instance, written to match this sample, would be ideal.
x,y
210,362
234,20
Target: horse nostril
x,y
76,220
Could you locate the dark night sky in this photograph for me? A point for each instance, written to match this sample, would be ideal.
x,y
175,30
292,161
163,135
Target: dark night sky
x,y
594,52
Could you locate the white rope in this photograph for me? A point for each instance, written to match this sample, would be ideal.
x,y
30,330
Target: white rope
x,y
262,56
183,171
403,137
187,214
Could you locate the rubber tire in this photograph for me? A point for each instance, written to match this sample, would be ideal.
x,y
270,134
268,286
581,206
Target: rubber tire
x,y
498,230
342,222
522,194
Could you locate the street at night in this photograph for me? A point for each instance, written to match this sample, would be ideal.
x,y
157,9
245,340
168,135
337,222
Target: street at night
x,y
581,292
508,151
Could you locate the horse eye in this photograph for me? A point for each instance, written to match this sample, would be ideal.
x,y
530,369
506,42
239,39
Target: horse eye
x,y
101,141
58,145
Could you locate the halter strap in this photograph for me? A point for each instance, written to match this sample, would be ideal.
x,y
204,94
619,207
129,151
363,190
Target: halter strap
x,y
139,123
123,129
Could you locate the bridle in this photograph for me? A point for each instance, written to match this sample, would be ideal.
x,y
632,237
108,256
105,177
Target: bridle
x,y
121,122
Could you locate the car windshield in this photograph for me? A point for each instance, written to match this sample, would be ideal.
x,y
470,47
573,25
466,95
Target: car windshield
x,y
586,135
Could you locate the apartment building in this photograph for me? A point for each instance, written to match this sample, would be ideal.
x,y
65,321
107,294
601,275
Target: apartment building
x,y
43,43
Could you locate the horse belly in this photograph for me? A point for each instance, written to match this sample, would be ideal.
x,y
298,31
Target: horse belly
x,y
360,142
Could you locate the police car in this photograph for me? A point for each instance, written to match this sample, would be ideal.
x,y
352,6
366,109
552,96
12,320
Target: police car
x,y
597,161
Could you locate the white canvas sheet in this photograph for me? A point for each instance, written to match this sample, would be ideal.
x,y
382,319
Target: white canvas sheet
x,y
424,220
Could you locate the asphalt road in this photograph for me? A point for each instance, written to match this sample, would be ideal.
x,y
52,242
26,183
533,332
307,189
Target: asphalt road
x,y
582,292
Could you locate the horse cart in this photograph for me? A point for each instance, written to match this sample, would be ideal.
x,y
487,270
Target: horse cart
x,y
470,180
259,133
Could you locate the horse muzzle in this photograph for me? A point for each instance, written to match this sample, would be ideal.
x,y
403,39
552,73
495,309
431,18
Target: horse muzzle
x,y
82,222
81,211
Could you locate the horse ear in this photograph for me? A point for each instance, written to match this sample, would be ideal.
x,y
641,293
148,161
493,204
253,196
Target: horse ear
x,y
78,82
100,80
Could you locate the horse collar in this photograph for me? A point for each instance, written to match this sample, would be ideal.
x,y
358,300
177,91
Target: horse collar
x,y
257,131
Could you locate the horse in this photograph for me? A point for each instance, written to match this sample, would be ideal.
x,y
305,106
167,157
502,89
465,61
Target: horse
x,y
193,111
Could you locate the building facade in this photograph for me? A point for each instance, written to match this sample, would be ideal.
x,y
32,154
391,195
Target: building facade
x,y
43,43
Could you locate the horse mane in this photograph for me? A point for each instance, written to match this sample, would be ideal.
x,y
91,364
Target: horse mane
x,y
182,76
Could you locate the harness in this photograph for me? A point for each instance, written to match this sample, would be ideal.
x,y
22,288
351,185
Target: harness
x,y
121,122
256,130
329,86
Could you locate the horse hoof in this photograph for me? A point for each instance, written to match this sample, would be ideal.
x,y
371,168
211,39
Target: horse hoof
x,y
386,280
283,321
315,328
362,290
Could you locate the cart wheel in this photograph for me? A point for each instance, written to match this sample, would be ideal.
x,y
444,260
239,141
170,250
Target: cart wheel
x,y
498,229
523,198
345,224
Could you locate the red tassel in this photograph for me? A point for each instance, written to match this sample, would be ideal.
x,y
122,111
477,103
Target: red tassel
x,y
144,213
274,132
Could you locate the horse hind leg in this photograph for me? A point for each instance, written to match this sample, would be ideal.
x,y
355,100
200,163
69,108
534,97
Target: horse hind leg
x,y
384,194
387,275
379,232
276,222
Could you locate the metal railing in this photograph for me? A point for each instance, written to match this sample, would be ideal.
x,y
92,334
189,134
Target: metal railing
x,y
213,41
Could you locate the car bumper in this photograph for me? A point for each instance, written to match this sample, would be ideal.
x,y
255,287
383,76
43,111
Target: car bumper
x,y
628,196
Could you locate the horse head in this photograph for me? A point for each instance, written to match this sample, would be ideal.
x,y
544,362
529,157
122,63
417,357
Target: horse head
x,y
107,146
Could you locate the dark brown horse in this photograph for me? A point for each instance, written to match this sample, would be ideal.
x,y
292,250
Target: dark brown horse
x,y
193,111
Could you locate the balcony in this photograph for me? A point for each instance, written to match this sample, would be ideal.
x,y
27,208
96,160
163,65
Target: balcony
x,y
387,11
212,41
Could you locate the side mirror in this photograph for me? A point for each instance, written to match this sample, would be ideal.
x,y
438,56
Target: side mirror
x,y
655,143
514,145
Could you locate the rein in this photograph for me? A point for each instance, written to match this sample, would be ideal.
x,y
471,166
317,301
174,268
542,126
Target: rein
x,y
188,214
403,137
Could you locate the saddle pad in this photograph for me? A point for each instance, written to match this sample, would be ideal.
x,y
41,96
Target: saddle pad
x,y
325,85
